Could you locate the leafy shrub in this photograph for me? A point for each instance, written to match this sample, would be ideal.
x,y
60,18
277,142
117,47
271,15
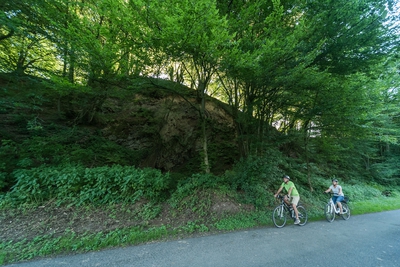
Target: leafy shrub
x,y
361,192
187,187
62,146
254,176
78,185
2,180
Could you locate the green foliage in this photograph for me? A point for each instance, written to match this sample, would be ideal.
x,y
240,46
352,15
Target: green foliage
x,y
185,187
375,205
63,146
244,220
3,180
194,226
149,211
361,192
77,185
256,176
364,199
324,72
49,245
316,68
194,193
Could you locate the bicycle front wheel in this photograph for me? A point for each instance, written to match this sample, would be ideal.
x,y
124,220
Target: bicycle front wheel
x,y
346,211
329,213
278,217
303,217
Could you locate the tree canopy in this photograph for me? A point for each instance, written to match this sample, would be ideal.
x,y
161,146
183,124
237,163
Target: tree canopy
x,y
323,73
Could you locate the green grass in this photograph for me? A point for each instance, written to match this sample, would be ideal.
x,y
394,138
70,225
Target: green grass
x,y
375,205
70,242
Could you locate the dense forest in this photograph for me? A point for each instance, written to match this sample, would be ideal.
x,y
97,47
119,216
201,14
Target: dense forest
x,y
311,86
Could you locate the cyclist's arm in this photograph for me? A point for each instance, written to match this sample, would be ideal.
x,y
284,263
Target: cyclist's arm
x,y
340,191
289,191
327,191
279,190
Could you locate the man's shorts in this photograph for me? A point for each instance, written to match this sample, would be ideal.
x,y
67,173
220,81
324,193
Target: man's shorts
x,y
295,200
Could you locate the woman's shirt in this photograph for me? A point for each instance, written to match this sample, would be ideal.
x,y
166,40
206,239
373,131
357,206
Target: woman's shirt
x,y
336,190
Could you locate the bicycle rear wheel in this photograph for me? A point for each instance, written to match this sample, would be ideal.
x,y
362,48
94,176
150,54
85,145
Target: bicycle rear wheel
x,y
303,217
279,216
329,213
346,211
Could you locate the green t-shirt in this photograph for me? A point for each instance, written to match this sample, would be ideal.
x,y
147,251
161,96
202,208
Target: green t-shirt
x,y
288,186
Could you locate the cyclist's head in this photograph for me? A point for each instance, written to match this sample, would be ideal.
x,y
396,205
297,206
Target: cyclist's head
x,y
286,177
334,180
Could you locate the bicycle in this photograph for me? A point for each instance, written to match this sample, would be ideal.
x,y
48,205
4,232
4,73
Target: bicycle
x,y
331,210
284,211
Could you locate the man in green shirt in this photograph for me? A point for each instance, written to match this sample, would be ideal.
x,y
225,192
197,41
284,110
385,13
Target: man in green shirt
x,y
292,194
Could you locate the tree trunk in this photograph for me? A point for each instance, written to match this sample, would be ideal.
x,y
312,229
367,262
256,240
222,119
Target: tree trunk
x,y
206,163
306,143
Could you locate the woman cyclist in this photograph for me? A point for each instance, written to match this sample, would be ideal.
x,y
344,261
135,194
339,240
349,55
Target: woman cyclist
x,y
338,195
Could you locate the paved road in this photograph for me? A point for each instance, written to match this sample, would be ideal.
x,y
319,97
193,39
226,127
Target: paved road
x,y
364,240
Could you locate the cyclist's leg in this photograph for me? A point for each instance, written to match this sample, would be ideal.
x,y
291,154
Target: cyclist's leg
x,y
334,199
339,203
295,201
287,200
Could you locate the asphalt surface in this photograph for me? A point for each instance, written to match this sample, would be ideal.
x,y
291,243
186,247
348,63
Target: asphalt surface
x,y
363,240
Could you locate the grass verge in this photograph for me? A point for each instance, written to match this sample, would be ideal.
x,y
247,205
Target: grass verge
x,y
375,205
70,243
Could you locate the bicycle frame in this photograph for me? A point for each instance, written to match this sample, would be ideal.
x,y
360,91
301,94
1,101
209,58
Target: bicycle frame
x,y
333,206
284,211
285,207
331,210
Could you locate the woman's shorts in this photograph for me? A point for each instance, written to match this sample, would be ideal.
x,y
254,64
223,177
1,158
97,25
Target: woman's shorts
x,y
337,199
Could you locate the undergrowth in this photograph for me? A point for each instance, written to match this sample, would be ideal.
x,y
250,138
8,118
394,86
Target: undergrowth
x,y
70,242
75,185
